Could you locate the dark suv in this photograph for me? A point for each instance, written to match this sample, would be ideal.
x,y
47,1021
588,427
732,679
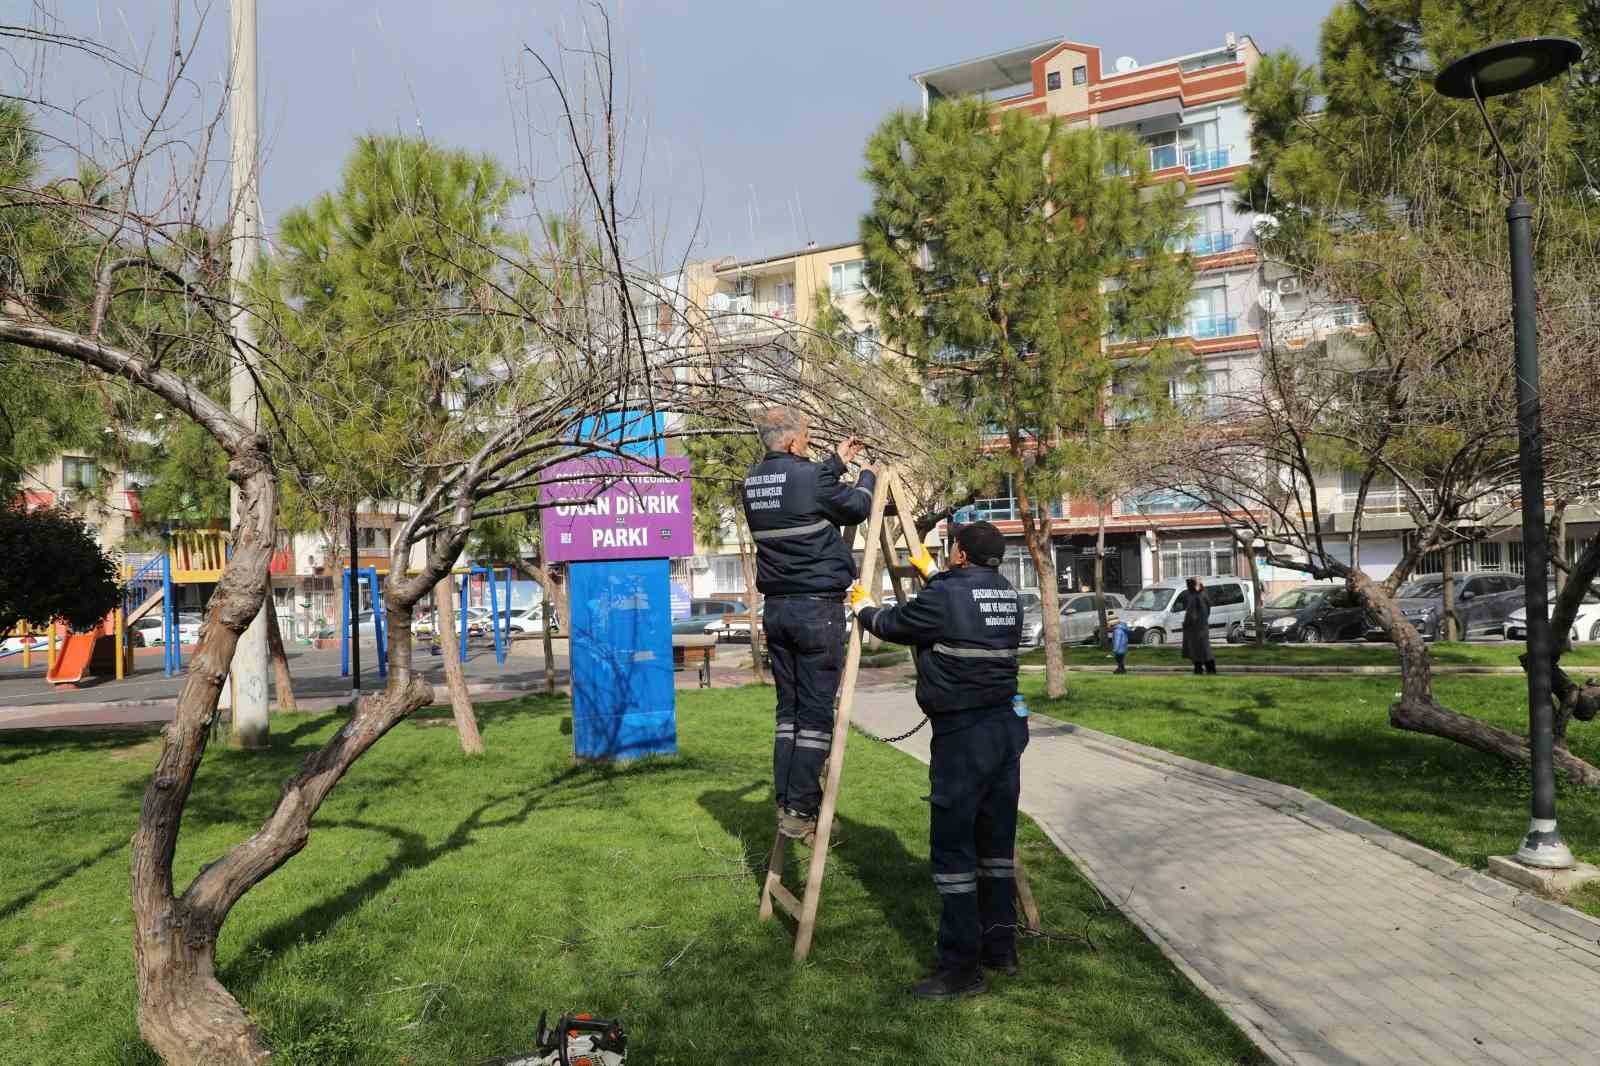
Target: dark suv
x,y
1311,614
1483,601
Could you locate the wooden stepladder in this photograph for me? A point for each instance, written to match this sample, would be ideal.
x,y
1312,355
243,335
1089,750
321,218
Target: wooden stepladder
x,y
880,548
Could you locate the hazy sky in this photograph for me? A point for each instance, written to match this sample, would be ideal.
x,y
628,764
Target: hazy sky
x,y
756,110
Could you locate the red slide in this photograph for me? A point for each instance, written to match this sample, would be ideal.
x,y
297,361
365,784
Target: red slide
x,y
72,658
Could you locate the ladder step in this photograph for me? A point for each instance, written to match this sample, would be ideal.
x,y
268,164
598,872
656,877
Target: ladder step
x,y
784,898
907,572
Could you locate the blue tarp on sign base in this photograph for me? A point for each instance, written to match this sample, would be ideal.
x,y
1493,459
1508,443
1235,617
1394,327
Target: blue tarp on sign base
x,y
623,699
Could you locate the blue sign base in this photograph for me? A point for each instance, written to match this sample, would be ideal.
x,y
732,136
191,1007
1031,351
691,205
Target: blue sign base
x,y
624,703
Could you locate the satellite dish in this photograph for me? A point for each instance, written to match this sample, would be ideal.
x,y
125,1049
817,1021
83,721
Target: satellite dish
x,y
1126,64
1269,300
1265,225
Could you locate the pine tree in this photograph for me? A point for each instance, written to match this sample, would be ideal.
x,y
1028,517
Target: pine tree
x,y
1001,252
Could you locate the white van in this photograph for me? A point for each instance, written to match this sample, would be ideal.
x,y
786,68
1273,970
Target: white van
x,y
1155,615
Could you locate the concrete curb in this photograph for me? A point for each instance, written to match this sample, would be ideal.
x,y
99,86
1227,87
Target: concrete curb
x,y
321,702
1288,671
1307,807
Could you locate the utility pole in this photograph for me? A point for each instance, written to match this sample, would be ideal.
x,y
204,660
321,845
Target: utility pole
x,y
355,609
249,670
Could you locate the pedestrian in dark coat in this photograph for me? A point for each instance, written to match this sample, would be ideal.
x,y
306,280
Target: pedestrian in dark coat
x,y
1197,629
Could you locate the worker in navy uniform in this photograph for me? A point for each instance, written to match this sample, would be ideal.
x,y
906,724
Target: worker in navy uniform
x,y
793,507
965,627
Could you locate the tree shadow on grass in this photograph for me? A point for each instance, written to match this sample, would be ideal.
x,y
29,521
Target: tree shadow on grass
x,y
23,901
895,879
413,852
20,745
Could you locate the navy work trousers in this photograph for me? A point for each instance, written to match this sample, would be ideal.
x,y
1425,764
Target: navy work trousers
x,y
805,637
976,774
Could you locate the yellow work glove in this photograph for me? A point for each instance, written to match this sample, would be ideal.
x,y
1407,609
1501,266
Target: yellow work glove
x,y
924,563
859,598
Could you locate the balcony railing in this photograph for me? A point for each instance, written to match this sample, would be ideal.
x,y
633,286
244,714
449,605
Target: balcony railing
x,y
1209,327
1385,500
1200,160
748,316
1213,242
999,509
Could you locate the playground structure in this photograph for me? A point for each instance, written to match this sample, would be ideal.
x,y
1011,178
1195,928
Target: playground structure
x,y
499,611
192,557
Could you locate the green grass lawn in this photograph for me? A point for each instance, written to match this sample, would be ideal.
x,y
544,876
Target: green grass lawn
x,y
1501,653
1331,736
441,904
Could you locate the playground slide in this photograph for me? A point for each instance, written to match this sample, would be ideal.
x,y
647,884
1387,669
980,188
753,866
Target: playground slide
x,y
73,657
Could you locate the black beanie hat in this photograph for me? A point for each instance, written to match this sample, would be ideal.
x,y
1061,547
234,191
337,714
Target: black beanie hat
x,y
984,544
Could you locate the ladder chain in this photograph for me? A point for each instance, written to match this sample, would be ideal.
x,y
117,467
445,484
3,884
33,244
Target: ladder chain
x,y
858,727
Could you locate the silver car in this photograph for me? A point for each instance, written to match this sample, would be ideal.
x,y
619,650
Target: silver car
x,y
1080,620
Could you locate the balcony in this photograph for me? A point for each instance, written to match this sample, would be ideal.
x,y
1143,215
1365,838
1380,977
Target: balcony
x,y
1202,160
1213,242
999,509
1385,499
1210,327
743,317
1196,327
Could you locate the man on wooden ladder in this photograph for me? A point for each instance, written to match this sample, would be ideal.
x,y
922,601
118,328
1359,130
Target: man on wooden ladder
x,y
804,569
965,627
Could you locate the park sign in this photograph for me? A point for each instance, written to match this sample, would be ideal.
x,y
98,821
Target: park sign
x,y
605,508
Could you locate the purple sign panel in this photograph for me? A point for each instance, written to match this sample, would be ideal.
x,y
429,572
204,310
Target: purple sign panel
x,y
617,509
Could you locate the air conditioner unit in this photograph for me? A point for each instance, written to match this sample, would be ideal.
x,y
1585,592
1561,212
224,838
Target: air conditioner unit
x,y
1288,286
700,564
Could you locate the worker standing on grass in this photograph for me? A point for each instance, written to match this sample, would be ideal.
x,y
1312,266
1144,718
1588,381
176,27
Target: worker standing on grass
x,y
965,627
803,568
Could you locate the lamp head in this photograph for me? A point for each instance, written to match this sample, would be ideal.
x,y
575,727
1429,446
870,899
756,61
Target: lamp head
x,y
1508,67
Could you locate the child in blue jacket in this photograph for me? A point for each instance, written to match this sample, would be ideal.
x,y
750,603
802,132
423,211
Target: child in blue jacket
x,y
1119,641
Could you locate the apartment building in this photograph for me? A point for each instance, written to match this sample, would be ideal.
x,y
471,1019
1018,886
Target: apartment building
x,y
1189,114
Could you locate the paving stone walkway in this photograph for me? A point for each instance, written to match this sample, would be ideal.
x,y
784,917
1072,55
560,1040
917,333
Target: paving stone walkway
x,y
1324,947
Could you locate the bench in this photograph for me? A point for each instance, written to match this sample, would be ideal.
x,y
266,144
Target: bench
x,y
690,648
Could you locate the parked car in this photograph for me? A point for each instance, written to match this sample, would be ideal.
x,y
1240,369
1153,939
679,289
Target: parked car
x,y
1311,614
150,631
1080,619
530,619
1483,603
729,618
424,624
1585,624
14,645
1155,615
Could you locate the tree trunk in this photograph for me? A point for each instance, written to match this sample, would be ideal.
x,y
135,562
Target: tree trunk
x,y
1255,585
541,574
1447,624
455,678
184,1012
1100,575
1417,711
282,683
747,563
1559,562
1036,534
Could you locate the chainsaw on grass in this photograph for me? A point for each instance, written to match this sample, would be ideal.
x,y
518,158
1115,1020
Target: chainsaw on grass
x,y
577,1040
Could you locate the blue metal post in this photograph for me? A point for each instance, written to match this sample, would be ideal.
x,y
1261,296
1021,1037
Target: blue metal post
x,y
494,618
172,658
344,627
465,579
380,624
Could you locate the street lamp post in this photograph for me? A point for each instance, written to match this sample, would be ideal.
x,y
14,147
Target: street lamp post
x,y
1495,71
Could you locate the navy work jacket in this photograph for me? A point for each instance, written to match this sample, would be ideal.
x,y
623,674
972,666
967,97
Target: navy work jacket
x,y
793,507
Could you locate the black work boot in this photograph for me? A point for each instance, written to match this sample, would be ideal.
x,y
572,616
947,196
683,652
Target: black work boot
x,y
951,984
797,825
1007,965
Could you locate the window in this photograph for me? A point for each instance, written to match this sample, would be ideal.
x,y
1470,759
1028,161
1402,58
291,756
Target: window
x,y
373,538
1018,568
1225,595
78,473
1080,75
783,294
1052,80
727,574
847,277
1203,392
1196,558
1082,603
1164,501
866,345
